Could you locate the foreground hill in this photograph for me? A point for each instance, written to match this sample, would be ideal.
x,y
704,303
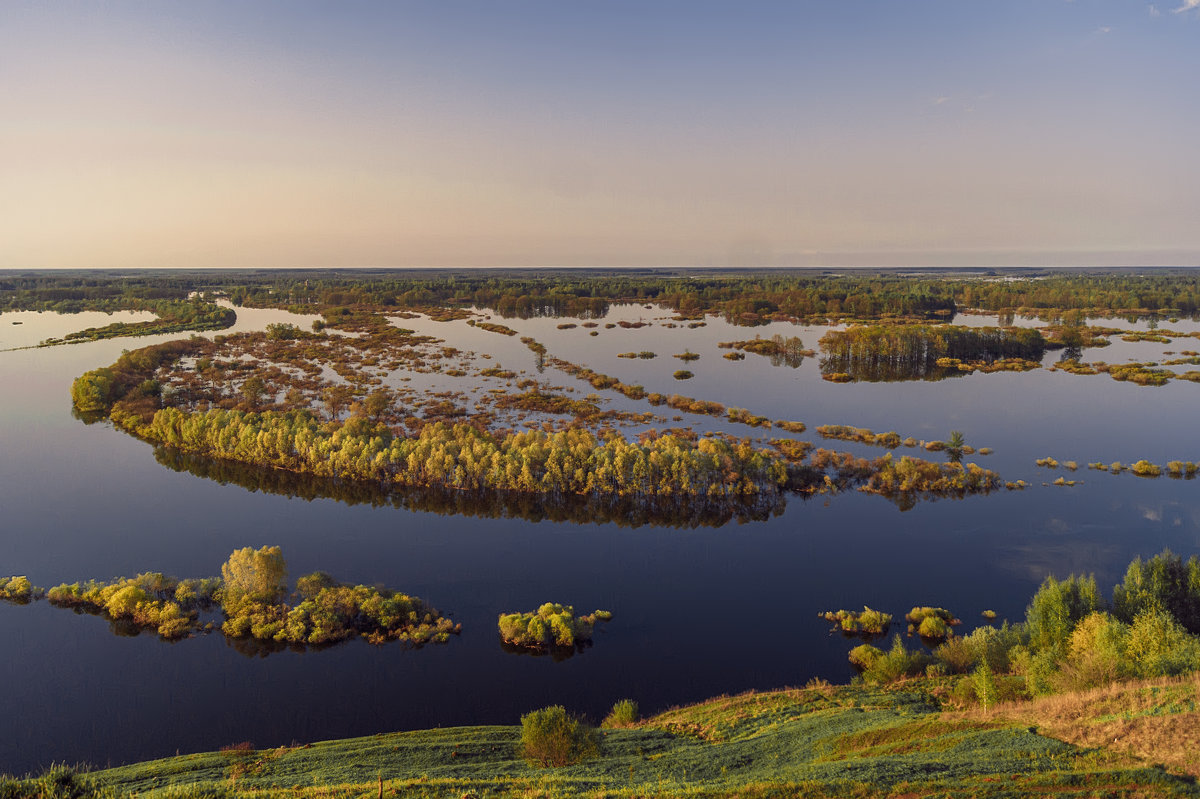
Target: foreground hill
x,y
822,741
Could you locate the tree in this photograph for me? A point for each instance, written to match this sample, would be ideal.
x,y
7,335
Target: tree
x,y
954,445
985,685
336,398
253,389
1165,582
91,391
254,575
376,403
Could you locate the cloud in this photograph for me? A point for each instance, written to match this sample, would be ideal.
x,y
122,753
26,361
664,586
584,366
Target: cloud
x,y
1188,5
1153,9
1104,29
940,100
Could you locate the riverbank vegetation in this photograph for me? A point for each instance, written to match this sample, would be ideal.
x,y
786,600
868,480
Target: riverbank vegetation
x,y
821,741
1071,639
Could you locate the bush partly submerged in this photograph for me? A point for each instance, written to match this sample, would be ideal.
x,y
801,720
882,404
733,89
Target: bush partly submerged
x,y
550,626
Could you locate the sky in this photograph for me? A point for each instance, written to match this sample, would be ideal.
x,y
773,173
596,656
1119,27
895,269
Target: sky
x,y
607,133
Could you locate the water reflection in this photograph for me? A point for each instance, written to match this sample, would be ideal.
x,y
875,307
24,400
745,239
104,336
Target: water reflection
x,y
678,512
556,653
882,371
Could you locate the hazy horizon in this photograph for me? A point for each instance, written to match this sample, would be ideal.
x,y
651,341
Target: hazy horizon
x,y
473,134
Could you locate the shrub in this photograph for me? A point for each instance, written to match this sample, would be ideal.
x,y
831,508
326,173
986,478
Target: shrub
x,y
864,656
623,714
18,589
1144,468
931,622
934,627
896,664
994,646
957,655
552,625
683,374
1096,654
1159,646
871,622
550,737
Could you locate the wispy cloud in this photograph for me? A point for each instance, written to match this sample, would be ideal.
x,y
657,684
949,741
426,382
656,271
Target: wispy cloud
x,y
940,100
1153,9
1188,5
1104,29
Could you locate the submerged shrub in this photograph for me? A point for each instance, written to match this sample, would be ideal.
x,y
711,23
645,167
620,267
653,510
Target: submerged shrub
x,y
550,737
552,625
18,589
931,622
871,622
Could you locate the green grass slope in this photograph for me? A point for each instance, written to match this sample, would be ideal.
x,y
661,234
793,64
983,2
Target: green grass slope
x,y
822,742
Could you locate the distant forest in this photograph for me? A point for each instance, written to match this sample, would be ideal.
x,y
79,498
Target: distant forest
x,y
743,297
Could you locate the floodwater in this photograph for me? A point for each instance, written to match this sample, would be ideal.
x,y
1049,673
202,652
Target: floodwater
x,y
698,610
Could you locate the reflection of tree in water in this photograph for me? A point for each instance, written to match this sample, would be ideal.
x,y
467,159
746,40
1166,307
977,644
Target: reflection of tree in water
x,y
888,371
628,511
556,653
1070,353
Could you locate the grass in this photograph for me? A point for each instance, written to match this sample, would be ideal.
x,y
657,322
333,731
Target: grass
x,y
822,741
1157,720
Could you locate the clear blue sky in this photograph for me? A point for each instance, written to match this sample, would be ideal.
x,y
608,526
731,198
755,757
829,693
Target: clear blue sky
x,y
599,133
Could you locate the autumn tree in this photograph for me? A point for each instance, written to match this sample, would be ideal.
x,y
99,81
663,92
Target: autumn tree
x,y
254,575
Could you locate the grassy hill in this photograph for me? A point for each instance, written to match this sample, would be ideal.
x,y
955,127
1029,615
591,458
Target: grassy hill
x,y
823,741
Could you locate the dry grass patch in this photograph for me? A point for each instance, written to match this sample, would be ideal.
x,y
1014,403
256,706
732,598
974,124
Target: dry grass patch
x,y
1156,721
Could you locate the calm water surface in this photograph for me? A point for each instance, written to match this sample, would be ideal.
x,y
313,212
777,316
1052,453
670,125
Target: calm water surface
x,y
698,612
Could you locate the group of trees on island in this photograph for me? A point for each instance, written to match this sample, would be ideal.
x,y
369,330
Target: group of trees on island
x,y
468,457
896,352
551,626
253,599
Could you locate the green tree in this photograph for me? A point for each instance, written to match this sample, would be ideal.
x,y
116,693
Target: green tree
x,y
1057,607
954,445
253,389
1165,582
985,686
